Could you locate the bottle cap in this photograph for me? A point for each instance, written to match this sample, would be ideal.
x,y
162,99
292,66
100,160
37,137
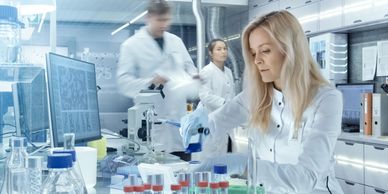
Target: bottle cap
x,y
147,186
202,184
220,169
71,152
59,161
139,188
157,187
184,183
34,162
176,187
128,188
224,184
214,185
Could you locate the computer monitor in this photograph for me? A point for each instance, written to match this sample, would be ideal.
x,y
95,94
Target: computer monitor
x,y
351,94
31,108
72,99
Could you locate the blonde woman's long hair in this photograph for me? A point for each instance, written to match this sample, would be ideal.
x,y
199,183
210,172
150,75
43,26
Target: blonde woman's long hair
x,y
300,76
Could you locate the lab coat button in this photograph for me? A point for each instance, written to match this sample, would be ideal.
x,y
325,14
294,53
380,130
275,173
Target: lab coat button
x,y
270,149
278,126
280,103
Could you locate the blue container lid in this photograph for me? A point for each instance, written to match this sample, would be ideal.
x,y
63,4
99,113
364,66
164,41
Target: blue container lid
x,y
72,152
194,147
220,169
59,161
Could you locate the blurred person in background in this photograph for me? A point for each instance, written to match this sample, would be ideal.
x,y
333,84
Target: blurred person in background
x,y
153,56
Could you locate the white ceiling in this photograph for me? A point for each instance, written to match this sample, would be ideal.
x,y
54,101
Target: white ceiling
x,y
122,11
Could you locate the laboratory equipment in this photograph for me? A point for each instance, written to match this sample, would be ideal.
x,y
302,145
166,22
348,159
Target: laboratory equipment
x,y
75,171
35,174
16,168
136,114
352,114
147,188
214,187
220,173
117,178
187,182
224,187
28,112
73,99
331,53
202,187
176,189
68,141
196,140
59,180
9,34
31,107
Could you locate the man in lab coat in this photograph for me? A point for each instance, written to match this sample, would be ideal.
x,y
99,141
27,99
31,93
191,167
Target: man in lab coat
x,y
154,56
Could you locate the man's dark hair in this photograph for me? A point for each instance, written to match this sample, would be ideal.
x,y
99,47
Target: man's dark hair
x,y
158,7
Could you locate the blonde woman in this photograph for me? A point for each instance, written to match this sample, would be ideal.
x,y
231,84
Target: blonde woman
x,y
294,111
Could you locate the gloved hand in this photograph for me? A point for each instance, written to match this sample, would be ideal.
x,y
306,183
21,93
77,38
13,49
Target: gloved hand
x,y
236,163
190,124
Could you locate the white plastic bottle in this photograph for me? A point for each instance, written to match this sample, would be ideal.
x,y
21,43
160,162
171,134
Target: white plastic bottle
x,y
59,180
16,172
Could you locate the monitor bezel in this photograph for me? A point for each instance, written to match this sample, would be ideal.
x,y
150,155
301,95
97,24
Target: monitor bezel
x,y
355,84
52,121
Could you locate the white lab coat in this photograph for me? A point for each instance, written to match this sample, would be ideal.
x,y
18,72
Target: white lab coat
x,y
284,165
217,89
140,59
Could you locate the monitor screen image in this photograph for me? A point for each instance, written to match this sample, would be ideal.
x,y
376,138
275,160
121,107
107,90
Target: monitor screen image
x,y
351,94
32,108
73,99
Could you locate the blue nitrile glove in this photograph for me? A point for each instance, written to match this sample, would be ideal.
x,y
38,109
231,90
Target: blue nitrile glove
x,y
236,163
191,122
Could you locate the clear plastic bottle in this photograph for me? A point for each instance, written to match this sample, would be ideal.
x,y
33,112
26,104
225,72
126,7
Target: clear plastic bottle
x,y
224,187
176,189
35,174
75,172
9,35
185,187
220,173
202,187
214,187
16,172
59,180
147,188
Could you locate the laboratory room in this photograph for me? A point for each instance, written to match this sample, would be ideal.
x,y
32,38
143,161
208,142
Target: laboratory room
x,y
193,96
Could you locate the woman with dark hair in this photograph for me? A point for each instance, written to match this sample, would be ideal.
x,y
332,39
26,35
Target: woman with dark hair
x,y
218,88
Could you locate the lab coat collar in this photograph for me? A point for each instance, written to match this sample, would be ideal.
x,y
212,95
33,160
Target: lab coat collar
x,y
216,67
278,95
143,32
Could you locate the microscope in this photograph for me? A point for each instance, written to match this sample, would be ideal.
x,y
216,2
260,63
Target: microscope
x,y
142,116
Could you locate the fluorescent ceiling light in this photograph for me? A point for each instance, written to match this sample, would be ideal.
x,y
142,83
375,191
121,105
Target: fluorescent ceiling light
x,y
31,7
128,23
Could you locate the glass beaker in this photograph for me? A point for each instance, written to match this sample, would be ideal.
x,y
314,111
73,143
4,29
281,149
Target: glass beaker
x,y
9,35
